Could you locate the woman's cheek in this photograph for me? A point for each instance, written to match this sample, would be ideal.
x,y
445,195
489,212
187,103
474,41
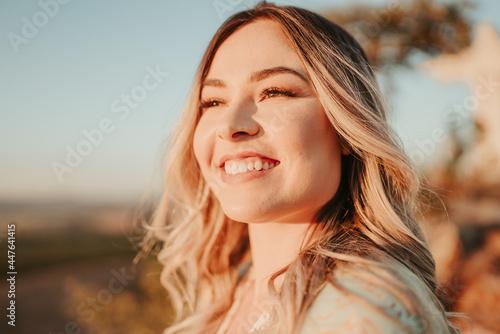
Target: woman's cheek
x,y
200,144
203,146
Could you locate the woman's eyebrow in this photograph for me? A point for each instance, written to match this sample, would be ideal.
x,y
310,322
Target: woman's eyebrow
x,y
213,83
258,76
266,73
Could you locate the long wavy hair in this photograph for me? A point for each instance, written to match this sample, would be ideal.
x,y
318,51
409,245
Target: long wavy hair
x,y
371,221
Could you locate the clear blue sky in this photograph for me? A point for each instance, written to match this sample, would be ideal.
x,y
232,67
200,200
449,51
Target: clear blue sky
x,y
67,72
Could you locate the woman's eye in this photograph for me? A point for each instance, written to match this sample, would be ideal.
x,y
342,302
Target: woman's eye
x,y
275,92
210,103
266,93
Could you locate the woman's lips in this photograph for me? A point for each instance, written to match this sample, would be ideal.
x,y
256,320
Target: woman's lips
x,y
242,155
244,177
242,168
245,166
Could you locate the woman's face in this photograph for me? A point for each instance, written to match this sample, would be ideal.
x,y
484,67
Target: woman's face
x,y
264,143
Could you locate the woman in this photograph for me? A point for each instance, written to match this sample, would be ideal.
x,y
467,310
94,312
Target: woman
x,y
288,206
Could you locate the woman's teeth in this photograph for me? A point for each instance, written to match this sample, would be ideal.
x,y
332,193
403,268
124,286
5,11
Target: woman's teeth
x,y
242,166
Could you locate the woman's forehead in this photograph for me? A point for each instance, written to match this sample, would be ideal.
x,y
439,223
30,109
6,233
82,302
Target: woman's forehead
x,y
252,48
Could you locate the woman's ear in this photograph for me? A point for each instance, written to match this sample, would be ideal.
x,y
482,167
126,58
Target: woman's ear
x,y
346,148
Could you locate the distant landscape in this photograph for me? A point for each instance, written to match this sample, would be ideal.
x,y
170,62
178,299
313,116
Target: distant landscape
x,y
66,254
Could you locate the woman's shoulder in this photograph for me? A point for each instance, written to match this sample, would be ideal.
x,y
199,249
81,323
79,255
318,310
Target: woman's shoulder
x,y
358,301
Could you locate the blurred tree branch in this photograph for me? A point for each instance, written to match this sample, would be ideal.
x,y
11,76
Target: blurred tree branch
x,y
389,34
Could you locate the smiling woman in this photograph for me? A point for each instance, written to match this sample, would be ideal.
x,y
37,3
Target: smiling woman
x,y
288,206
249,79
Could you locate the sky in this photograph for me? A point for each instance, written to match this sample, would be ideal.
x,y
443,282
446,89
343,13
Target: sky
x,y
90,89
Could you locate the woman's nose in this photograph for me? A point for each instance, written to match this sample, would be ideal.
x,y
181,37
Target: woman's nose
x,y
237,122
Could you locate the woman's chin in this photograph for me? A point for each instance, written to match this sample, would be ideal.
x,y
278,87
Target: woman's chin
x,y
244,215
280,214
250,212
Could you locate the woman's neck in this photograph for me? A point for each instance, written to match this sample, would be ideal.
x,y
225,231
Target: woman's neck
x,y
273,246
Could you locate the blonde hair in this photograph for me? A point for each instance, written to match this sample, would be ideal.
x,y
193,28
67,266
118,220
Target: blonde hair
x,y
369,222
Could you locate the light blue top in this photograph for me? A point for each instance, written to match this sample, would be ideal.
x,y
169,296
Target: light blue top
x,y
360,306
